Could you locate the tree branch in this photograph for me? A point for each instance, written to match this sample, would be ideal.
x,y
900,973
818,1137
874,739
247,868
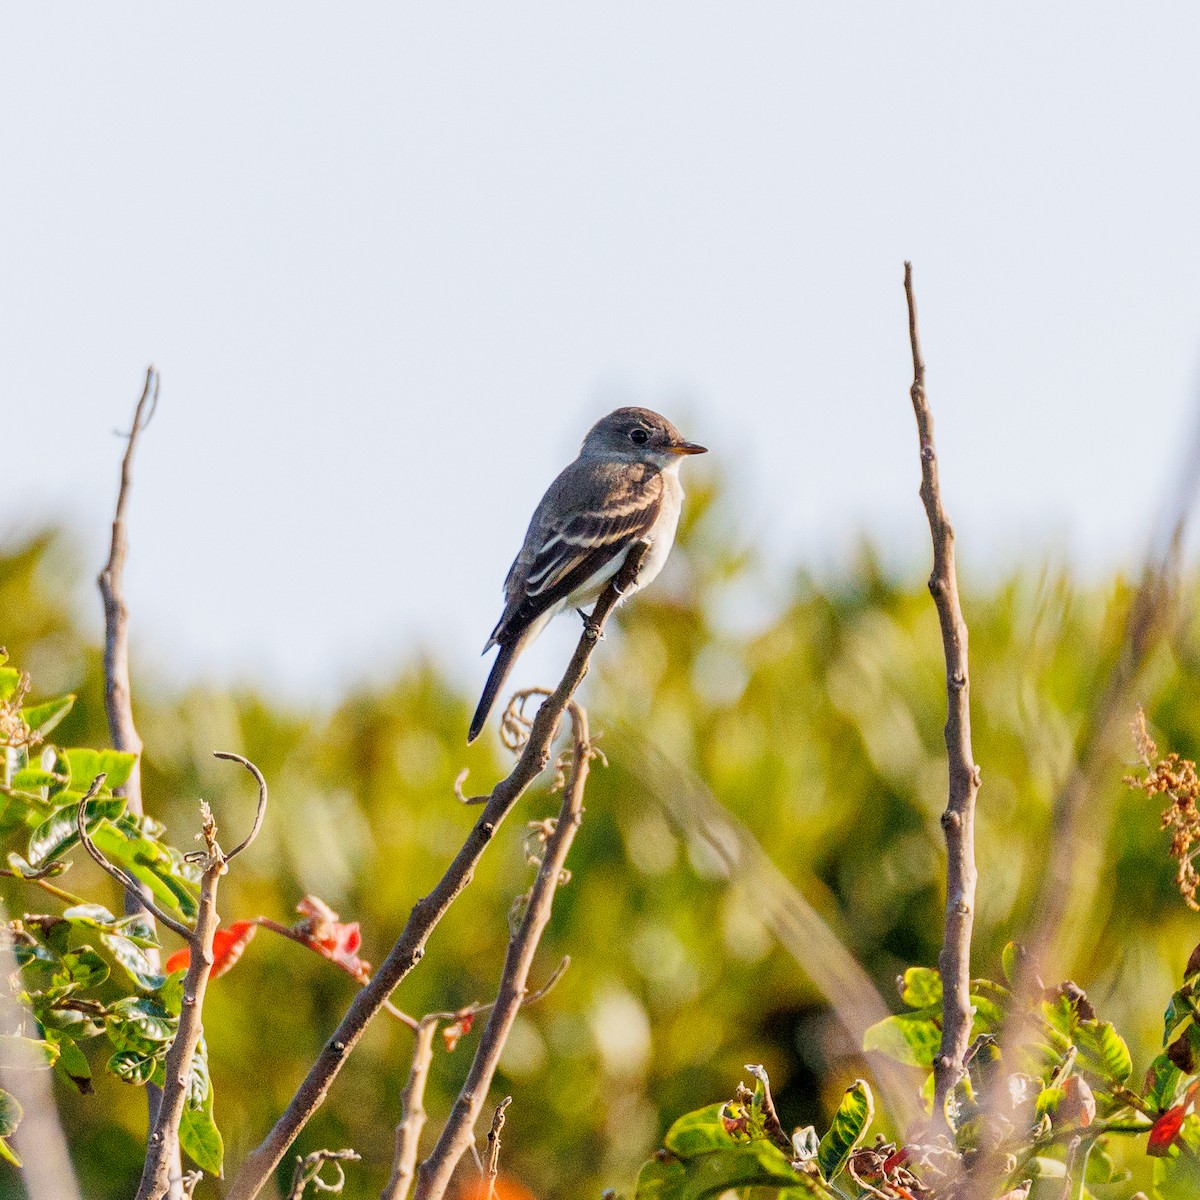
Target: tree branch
x,y
118,696
958,821
428,911
412,1111
459,1132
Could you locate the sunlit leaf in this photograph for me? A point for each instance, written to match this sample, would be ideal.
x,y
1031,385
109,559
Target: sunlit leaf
x,y
912,1037
921,988
848,1129
43,717
25,1054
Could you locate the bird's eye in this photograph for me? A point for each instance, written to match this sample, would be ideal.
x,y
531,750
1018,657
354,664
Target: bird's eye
x,y
639,436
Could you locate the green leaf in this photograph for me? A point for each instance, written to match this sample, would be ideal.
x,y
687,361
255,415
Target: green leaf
x,y
990,1001
58,832
73,1063
662,1178
25,1054
11,1113
32,779
1103,1052
200,1137
141,1024
1008,962
922,987
745,1165
136,963
848,1129
132,1067
43,717
10,678
698,1132
150,863
87,764
912,1038
1179,1009
83,968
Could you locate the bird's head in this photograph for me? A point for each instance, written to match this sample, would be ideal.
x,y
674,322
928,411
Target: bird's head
x,y
638,435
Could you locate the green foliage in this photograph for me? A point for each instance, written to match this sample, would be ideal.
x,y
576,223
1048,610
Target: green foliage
x,y
85,974
813,710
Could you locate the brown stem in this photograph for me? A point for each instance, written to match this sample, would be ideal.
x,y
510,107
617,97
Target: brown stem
x,y
412,1112
459,1132
118,699
958,821
161,1173
163,1147
493,1157
428,911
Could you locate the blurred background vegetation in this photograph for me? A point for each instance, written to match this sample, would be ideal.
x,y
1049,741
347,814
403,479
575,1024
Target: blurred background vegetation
x,y
817,722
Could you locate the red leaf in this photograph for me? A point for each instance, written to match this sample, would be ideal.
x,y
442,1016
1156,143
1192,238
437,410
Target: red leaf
x,y
460,1028
228,945
330,937
1166,1129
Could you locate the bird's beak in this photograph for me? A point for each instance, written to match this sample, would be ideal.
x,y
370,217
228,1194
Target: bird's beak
x,y
687,448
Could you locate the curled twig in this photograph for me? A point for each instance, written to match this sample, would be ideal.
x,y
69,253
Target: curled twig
x,y
126,880
261,811
308,1170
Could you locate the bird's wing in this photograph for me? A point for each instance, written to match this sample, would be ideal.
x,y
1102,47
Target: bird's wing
x,y
565,549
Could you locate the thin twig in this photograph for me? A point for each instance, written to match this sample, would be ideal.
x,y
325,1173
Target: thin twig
x,y
428,911
958,821
458,1134
118,693
132,886
260,812
412,1111
412,1099
162,1150
308,1170
493,1158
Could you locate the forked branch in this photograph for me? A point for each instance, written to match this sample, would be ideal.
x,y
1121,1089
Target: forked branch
x,y
958,821
428,911
435,1172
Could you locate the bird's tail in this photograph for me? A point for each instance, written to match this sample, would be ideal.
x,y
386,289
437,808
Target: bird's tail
x,y
500,669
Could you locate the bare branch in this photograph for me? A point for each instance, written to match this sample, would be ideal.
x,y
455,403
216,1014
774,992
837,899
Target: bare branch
x,y
412,1111
435,1172
262,801
132,886
118,694
428,911
958,821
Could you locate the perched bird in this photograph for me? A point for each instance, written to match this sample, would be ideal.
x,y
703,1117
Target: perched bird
x,y
624,487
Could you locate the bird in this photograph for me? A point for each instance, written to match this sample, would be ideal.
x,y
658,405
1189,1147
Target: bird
x,y
623,488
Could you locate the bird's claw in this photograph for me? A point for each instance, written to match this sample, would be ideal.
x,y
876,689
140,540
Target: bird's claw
x,y
591,629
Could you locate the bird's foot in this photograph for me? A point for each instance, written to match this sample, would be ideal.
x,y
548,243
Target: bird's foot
x,y
591,628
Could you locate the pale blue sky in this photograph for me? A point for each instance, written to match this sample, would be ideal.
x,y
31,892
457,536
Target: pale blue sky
x,y
393,259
